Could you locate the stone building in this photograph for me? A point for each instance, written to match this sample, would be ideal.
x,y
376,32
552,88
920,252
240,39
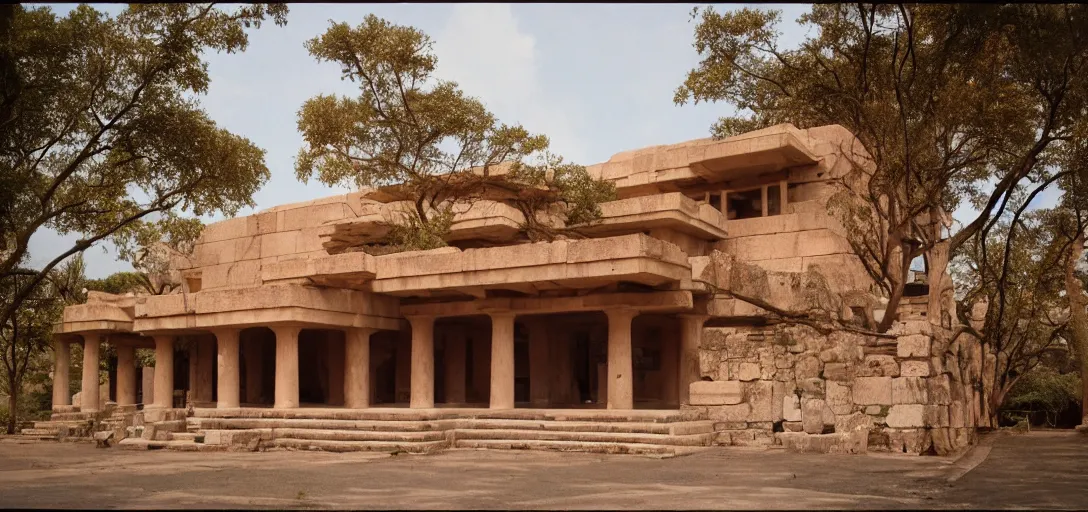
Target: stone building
x,y
635,339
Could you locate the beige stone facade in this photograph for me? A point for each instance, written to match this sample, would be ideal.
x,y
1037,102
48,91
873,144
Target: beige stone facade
x,y
278,314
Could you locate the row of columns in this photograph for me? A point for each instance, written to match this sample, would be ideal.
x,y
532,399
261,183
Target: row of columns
x,y
620,385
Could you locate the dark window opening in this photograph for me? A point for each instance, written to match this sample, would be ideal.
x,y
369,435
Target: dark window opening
x,y
745,205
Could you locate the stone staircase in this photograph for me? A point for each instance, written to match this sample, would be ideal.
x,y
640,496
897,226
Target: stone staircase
x,y
63,425
651,433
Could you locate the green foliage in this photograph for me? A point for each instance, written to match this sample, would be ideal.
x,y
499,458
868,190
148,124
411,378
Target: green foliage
x,y
420,235
424,137
102,135
950,104
118,283
1043,393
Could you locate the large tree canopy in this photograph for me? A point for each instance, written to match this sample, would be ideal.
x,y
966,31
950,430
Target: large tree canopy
x,y
425,135
101,133
952,103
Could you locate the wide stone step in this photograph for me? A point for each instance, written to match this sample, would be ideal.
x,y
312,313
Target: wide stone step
x,y
170,426
67,416
401,414
187,436
357,435
591,437
359,446
325,424
575,446
184,446
675,428
39,433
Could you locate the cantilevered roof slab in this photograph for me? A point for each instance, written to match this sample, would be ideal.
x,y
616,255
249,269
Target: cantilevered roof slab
x,y
570,264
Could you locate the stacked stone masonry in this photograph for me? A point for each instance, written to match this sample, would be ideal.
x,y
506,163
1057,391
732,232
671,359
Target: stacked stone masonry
x,y
661,309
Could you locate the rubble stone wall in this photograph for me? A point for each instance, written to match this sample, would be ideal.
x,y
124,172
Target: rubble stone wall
x,y
910,391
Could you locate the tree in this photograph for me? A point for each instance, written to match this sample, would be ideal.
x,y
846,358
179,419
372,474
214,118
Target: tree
x,y
102,135
949,102
27,335
1018,272
426,138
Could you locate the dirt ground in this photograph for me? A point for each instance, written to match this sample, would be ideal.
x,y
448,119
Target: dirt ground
x,y
1037,470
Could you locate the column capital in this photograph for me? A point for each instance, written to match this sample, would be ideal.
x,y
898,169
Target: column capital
x,y
225,331
360,331
286,329
620,312
160,338
502,314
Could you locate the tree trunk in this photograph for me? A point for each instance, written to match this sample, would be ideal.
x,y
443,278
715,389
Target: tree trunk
x,y
1078,318
13,410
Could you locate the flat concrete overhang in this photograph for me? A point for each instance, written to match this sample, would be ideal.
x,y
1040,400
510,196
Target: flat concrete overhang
x,y
669,211
657,302
95,317
662,168
276,304
530,268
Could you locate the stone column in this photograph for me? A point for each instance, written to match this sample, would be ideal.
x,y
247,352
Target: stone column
x,y
691,335
620,384
147,385
90,389
422,362
502,360
357,368
254,371
229,368
456,359
539,363
126,375
164,371
205,368
286,367
62,361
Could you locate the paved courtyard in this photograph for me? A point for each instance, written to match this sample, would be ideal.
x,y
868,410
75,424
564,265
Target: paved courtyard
x,y
1037,470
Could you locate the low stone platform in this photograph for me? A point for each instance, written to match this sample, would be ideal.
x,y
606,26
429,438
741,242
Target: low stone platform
x,y
659,433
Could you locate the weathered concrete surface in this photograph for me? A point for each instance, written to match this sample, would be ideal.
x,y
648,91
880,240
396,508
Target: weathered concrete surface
x,y
1037,470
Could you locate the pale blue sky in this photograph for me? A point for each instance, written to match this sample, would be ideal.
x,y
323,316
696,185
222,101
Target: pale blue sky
x,y
596,78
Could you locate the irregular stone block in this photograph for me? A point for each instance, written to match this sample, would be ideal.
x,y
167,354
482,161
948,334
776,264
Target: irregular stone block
x,y
842,372
914,345
812,388
761,398
873,390
940,390
812,415
748,372
909,390
722,392
909,441
878,366
906,416
839,398
791,408
914,369
792,426
807,367
729,413
800,442
855,422
955,415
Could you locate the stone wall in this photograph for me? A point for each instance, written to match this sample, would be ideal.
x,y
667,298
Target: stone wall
x,y
911,391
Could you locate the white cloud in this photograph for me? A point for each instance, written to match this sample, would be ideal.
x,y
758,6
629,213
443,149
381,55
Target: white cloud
x,y
484,50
